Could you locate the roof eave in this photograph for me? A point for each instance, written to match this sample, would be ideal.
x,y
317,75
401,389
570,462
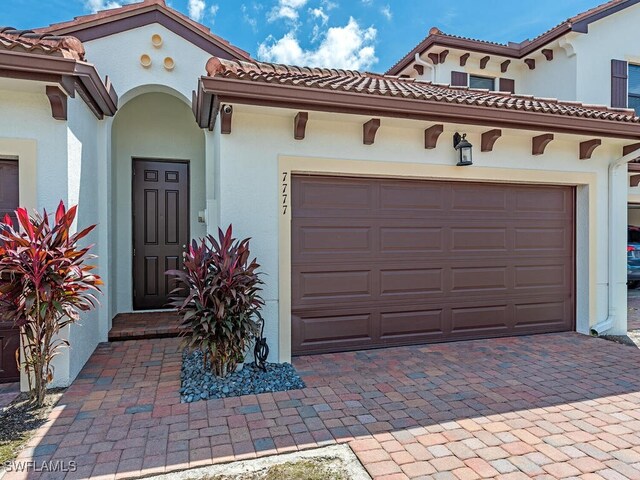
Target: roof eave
x,y
214,91
101,98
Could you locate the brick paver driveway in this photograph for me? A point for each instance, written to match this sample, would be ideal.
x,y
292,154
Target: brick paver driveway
x,y
547,406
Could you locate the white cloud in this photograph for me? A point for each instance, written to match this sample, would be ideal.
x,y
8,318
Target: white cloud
x,y
386,12
318,13
286,9
196,9
349,47
213,11
96,5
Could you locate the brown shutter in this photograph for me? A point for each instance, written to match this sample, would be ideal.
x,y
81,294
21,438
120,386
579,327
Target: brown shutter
x,y
619,84
459,79
508,85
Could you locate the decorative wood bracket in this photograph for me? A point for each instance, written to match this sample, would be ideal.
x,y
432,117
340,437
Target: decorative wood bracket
x,y
531,63
442,56
627,149
587,148
58,101
418,68
369,130
489,138
226,114
548,53
435,58
484,61
634,180
431,136
504,66
300,125
464,58
539,143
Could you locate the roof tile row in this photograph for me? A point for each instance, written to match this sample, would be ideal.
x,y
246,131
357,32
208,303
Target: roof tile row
x,y
43,44
382,85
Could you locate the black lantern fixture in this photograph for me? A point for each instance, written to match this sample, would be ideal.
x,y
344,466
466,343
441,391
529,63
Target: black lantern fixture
x,y
463,148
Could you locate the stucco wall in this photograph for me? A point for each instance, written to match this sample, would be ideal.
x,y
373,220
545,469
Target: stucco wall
x,y
613,37
153,125
249,181
66,163
126,72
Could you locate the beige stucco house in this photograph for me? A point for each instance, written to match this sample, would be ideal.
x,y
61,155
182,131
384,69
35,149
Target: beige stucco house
x,y
369,232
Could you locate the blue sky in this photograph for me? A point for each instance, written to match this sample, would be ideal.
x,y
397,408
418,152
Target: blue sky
x,y
362,34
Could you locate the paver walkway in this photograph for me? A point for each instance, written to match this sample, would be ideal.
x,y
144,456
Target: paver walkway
x,y
547,406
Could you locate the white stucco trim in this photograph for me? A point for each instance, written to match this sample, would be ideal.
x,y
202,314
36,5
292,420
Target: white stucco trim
x,y
586,220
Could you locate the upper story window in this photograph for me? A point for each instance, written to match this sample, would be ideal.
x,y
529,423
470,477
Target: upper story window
x,y
634,88
486,83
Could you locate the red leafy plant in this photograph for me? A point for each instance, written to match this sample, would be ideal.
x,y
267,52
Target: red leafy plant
x,y
44,285
218,297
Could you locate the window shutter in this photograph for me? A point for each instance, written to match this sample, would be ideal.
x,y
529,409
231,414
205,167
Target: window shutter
x,y
508,85
619,83
459,79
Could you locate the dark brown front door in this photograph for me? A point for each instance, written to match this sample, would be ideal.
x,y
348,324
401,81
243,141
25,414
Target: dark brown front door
x,y
9,338
380,262
160,228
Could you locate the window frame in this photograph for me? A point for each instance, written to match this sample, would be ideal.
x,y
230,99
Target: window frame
x,y
634,95
493,81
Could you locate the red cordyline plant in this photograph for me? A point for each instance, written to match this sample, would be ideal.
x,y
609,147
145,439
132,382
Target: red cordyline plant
x,y
218,296
44,284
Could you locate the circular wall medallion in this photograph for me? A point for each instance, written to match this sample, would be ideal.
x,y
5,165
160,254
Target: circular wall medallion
x,y
145,60
169,64
156,40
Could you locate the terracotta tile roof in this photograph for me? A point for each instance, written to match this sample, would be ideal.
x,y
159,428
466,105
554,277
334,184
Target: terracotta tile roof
x,y
364,83
41,43
513,49
130,10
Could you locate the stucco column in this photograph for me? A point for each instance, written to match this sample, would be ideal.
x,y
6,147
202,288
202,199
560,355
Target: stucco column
x,y
618,254
212,169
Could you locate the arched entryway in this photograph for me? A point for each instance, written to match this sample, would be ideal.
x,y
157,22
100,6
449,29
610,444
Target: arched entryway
x,y
158,196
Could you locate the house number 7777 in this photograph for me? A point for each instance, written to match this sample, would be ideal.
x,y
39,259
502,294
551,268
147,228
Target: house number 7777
x,y
285,187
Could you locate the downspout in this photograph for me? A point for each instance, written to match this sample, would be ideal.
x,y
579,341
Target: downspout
x,y
604,326
432,68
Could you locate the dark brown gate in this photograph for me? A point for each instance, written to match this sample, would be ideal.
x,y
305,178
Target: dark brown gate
x,y
9,338
380,262
160,228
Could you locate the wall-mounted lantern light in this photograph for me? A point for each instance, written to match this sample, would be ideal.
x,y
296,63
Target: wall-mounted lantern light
x,y
463,147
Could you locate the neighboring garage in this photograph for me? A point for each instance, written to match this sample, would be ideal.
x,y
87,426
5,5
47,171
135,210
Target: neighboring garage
x,y
380,262
9,339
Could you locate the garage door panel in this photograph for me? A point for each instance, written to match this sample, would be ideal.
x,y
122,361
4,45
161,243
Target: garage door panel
x,y
473,263
478,239
475,279
335,330
532,238
543,315
481,319
335,240
555,200
320,194
410,197
414,325
334,285
411,282
541,276
474,198
413,240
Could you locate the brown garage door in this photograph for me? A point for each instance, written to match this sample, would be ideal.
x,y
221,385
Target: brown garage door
x,y
379,262
9,338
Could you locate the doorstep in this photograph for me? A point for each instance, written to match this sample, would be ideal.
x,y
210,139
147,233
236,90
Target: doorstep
x,y
144,325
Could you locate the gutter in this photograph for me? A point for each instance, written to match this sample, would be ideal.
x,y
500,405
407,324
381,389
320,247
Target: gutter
x,y
604,326
432,68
